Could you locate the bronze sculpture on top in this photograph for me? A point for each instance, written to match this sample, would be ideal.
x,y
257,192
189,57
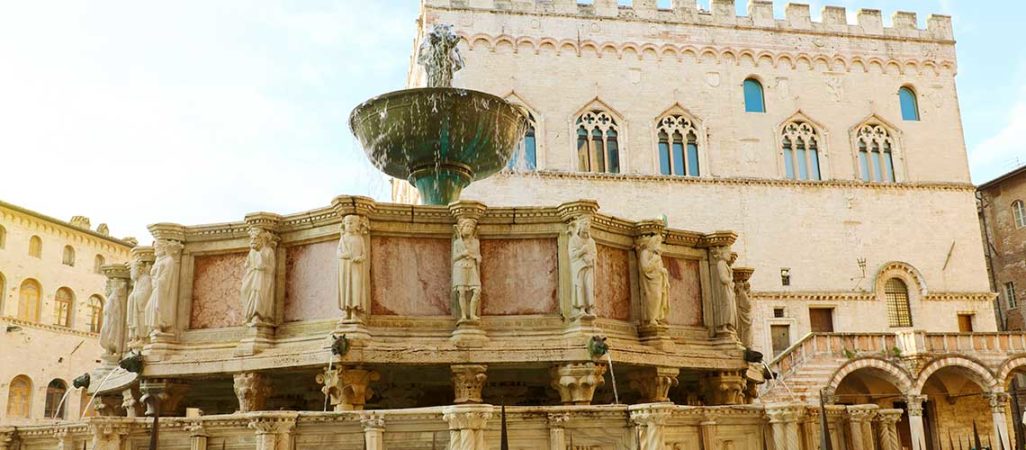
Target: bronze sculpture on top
x,y
439,138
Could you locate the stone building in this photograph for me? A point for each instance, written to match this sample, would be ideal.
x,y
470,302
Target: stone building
x,y
51,310
1003,219
834,149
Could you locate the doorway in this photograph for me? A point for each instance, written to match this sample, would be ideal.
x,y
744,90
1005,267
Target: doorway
x,y
821,320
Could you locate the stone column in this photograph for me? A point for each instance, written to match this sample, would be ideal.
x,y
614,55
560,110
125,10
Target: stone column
x,y
707,432
167,393
725,388
251,388
654,383
7,435
783,418
915,421
274,431
348,388
107,434
557,430
467,426
197,436
860,420
998,408
65,440
467,381
650,421
888,420
373,431
576,382
130,402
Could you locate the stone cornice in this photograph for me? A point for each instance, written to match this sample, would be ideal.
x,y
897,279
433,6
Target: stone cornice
x,y
866,296
64,225
745,181
53,328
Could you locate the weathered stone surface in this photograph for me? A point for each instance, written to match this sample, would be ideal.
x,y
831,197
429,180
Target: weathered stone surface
x,y
613,283
507,264
311,283
215,291
410,277
685,291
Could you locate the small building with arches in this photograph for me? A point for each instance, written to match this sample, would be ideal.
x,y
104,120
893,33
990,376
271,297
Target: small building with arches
x,y
51,307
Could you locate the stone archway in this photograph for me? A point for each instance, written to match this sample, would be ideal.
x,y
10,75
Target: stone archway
x,y
882,369
876,381
963,397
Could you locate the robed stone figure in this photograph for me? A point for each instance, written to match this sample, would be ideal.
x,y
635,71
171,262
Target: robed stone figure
x,y
142,288
112,333
258,278
353,268
583,255
160,310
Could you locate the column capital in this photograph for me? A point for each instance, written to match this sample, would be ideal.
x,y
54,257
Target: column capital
x,y
784,412
889,416
251,389
467,417
862,413
196,429
998,401
576,382
468,380
277,423
650,414
915,404
558,420
372,422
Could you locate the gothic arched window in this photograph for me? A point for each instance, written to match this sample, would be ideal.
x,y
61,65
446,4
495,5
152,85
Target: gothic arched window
x,y
28,300
54,407
598,148
1019,213
525,157
678,146
35,247
98,263
755,98
64,303
95,313
800,142
898,311
19,397
876,149
3,237
909,104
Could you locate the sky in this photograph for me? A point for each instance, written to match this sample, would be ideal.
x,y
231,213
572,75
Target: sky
x,y
199,111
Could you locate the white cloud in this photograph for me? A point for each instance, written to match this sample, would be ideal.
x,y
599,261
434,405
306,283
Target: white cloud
x,y
1004,150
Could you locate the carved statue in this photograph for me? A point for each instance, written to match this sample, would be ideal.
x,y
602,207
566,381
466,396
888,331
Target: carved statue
x,y
439,55
742,292
258,278
142,288
353,267
466,269
160,310
112,333
655,279
726,311
583,254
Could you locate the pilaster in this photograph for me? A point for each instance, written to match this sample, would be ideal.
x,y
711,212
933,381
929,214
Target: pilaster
x,y
251,389
650,421
576,382
468,380
197,436
467,426
108,434
860,421
274,432
373,431
654,383
783,419
888,420
348,388
557,430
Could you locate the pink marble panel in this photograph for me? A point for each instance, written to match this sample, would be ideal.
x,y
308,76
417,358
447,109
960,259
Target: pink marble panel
x,y
410,276
613,283
311,282
519,276
685,291
216,282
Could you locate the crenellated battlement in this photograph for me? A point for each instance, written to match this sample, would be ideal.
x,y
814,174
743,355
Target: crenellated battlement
x,y
797,17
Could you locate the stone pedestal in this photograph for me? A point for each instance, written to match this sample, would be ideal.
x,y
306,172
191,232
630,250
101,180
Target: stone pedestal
x,y
576,382
783,419
888,420
998,408
353,329
557,430
348,388
860,422
467,381
167,394
654,383
724,388
915,421
467,426
650,421
259,336
160,345
373,431
274,432
468,334
656,335
251,388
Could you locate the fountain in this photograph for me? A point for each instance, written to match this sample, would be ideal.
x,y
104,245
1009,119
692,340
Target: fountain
x,y
439,138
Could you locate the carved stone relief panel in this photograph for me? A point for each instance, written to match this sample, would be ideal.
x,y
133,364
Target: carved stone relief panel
x,y
685,291
410,277
311,286
519,276
215,291
613,283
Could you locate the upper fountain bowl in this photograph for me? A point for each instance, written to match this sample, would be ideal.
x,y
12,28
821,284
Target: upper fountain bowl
x,y
439,138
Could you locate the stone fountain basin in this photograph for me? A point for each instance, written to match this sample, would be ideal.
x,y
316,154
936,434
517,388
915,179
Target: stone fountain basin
x,y
440,139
